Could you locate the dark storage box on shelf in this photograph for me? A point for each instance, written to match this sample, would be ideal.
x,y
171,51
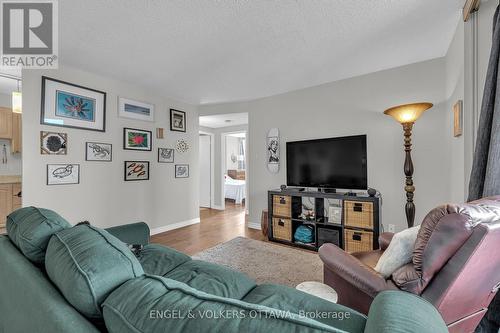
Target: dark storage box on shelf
x,y
327,235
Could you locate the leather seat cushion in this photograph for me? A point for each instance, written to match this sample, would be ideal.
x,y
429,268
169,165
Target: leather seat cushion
x,y
369,258
295,301
212,279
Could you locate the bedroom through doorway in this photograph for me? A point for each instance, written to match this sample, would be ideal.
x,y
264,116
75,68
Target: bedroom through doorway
x,y
227,157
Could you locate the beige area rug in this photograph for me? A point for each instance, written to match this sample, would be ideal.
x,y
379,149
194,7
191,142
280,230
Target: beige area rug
x,y
266,262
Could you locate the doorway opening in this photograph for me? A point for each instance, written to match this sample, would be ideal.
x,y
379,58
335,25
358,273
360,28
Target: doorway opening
x,y
229,161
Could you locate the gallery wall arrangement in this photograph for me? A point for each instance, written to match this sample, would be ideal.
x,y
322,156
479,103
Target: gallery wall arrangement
x,y
65,104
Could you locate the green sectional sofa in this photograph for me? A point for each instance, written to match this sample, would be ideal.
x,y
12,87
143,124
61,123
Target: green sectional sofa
x,y
58,278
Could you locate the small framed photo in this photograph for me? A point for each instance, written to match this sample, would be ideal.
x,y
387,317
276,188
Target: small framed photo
x,y
177,120
52,143
458,118
137,139
128,108
95,151
69,105
63,174
136,170
165,155
181,171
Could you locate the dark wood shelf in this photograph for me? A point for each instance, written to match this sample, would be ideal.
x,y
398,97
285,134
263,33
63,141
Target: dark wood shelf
x,y
320,203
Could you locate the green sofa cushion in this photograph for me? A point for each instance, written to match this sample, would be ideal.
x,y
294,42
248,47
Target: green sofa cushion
x,y
154,304
30,229
159,260
213,279
295,301
396,311
87,264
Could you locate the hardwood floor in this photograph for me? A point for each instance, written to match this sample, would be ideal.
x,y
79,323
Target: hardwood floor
x,y
216,227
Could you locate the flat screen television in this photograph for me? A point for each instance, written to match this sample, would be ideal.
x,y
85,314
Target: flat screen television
x,y
328,163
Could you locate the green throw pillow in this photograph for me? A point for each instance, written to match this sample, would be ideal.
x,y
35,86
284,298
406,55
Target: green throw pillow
x,y
30,229
87,264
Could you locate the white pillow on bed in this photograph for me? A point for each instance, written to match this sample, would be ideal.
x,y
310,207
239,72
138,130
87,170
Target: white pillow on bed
x,y
398,253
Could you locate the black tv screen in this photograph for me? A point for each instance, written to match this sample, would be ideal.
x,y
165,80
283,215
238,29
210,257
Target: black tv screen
x,y
328,163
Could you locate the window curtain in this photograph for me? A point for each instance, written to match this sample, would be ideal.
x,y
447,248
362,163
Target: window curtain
x,y
241,155
485,175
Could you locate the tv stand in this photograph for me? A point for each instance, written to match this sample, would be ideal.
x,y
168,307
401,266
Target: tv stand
x,y
351,222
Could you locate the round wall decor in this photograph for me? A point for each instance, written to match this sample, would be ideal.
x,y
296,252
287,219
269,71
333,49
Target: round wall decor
x,y
182,146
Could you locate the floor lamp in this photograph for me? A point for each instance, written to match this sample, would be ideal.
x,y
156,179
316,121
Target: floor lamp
x,y
406,115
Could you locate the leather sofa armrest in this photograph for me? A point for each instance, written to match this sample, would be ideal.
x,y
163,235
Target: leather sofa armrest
x,y
385,239
352,270
134,233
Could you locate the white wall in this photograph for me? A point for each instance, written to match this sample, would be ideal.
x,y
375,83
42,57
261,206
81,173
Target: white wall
x,y
455,72
218,172
14,161
355,106
103,197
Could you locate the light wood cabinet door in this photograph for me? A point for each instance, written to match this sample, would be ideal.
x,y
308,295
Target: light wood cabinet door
x,y
16,196
5,202
5,123
16,133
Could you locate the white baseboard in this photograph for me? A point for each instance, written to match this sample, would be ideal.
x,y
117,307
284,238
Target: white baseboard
x,y
218,207
173,226
254,225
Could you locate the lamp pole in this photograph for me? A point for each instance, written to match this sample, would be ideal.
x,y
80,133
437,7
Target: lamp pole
x,y
406,115
408,169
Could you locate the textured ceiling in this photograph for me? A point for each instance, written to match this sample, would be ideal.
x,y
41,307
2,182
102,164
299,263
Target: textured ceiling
x,y
210,51
224,120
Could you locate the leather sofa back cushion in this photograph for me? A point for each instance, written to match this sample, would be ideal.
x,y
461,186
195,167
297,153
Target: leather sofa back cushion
x,y
30,229
87,264
444,230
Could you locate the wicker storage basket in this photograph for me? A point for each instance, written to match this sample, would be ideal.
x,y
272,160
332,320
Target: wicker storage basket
x,y
282,229
282,205
358,240
358,214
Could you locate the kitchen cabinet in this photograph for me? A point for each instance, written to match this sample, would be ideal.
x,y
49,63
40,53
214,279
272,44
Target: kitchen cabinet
x,y
10,128
5,123
10,199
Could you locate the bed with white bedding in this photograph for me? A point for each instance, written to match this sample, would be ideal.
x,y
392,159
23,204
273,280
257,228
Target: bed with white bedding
x,y
234,189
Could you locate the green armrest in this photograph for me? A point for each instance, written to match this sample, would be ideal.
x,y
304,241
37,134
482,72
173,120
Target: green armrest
x,y
401,312
134,233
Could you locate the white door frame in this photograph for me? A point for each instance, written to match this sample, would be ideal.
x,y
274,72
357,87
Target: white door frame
x,y
212,166
223,166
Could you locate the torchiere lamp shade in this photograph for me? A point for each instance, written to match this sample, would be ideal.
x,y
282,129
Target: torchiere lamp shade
x,y
408,113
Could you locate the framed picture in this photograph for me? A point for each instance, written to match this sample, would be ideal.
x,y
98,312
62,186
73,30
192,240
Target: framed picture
x,y
165,155
128,108
63,174
457,118
52,143
136,170
177,120
95,151
181,171
69,105
137,139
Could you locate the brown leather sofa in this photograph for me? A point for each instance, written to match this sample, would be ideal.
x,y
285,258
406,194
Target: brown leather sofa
x,y
456,264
